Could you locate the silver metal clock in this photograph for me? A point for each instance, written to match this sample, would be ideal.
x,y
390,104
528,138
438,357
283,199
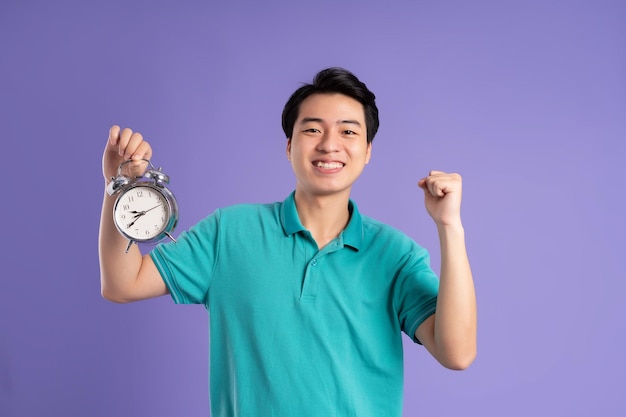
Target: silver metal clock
x,y
145,210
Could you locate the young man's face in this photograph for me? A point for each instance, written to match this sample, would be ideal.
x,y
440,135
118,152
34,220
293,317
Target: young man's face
x,y
328,148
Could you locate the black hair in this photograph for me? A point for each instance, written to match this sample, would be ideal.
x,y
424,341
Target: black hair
x,y
333,80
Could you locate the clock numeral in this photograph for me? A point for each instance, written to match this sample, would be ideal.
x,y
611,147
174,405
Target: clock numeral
x,y
139,193
126,207
131,198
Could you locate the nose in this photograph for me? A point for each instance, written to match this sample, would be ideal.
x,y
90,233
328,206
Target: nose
x,y
329,142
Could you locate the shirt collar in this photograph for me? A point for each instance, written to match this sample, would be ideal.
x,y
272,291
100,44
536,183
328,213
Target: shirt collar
x,y
352,235
289,216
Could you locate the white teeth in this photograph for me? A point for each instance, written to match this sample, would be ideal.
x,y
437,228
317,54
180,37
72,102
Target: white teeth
x,y
329,165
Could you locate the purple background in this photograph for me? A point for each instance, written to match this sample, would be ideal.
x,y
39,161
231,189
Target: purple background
x,y
527,99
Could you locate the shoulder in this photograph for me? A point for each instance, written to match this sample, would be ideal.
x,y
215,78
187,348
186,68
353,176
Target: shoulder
x,y
391,242
377,230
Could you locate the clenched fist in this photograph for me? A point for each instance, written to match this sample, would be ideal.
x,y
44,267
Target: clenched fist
x,y
442,195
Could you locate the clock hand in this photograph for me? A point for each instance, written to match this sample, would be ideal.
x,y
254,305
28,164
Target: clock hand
x,y
133,222
158,205
140,213
137,214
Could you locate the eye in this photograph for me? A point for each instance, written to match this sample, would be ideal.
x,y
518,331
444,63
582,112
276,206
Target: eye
x,y
312,130
349,132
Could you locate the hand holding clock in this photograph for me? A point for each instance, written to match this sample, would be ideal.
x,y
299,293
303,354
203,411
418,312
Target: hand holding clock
x,y
139,188
124,144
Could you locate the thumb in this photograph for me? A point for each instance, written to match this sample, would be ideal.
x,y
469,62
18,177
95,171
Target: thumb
x,y
423,185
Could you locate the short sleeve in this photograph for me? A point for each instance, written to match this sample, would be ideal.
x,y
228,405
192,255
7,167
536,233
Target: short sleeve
x,y
187,265
415,291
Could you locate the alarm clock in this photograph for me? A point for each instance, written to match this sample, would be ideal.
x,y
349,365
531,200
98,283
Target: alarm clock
x,y
145,210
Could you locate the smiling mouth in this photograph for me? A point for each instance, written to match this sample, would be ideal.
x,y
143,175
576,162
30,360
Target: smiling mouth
x,y
328,165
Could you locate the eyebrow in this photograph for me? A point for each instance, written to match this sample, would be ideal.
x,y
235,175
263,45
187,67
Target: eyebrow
x,y
318,120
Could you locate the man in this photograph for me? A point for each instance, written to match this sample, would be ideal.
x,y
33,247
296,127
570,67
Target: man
x,y
307,298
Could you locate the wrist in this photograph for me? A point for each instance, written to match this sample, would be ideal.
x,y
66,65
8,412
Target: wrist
x,y
454,229
452,225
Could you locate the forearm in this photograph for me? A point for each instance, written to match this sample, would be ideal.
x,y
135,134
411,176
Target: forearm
x,y
118,270
455,319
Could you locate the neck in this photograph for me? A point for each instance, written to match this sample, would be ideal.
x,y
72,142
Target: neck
x,y
324,216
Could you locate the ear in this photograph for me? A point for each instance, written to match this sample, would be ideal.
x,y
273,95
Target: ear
x,y
368,153
288,150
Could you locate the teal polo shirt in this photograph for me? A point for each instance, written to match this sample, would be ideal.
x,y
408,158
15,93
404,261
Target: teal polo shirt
x,y
296,330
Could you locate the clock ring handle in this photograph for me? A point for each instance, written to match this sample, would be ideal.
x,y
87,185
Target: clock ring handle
x,y
119,168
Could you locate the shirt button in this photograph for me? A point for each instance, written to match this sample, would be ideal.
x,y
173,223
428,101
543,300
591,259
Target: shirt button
x,y
314,262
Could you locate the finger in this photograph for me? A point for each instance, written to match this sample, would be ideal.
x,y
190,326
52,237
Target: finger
x,y
135,140
114,135
436,188
128,143
427,184
143,151
124,138
432,183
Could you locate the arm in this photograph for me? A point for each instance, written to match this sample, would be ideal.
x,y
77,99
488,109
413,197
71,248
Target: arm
x,y
450,333
128,276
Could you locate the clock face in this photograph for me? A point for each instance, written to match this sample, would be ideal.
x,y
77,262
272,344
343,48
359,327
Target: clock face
x,y
141,213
